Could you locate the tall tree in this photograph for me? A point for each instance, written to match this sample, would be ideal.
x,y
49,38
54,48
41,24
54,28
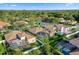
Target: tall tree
x,y
47,47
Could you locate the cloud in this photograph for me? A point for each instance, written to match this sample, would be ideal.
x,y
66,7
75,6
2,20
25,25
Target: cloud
x,y
68,4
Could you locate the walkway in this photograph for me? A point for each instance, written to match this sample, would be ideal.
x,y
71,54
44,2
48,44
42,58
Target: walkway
x,y
2,41
34,48
72,34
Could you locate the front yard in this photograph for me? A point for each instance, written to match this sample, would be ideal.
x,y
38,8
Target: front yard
x,y
2,49
0,38
32,45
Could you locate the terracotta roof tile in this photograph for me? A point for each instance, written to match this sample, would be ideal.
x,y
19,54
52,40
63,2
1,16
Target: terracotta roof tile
x,y
12,35
3,23
75,41
75,52
35,30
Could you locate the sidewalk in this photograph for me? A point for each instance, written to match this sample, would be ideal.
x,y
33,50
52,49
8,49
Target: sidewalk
x,y
2,41
72,34
34,48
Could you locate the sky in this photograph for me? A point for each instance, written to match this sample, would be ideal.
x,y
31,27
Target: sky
x,y
39,6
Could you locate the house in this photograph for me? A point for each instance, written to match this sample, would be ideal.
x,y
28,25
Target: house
x,y
59,26
65,47
19,39
74,22
35,30
3,24
75,42
63,21
21,22
49,28
63,29
77,25
75,52
42,34
27,19
47,20
39,31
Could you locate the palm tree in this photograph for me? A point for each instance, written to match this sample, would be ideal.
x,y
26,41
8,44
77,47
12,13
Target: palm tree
x,y
39,23
57,38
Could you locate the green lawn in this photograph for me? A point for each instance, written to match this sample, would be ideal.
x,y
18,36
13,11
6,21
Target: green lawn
x,y
0,38
2,49
58,51
32,45
67,25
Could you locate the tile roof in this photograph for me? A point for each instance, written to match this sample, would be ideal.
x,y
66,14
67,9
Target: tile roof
x,y
75,42
12,35
35,30
3,24
49,26
65,44
74,52
22,22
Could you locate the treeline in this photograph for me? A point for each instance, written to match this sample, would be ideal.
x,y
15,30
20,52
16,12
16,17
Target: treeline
x,y
13,15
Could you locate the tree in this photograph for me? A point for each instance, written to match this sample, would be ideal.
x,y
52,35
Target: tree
x,y
39,23
57,14
47,47
16,51
57,38
76,16
68,16
36,52
56,20
2,49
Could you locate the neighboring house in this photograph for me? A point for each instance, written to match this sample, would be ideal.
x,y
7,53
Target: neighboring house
x,y
42,34
75,52
21,22
63,21
19,39
75,42
63,29
27,19
38,31
74,22
48,28
3,24
35,30
46,20
59,26
66,48
77,25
